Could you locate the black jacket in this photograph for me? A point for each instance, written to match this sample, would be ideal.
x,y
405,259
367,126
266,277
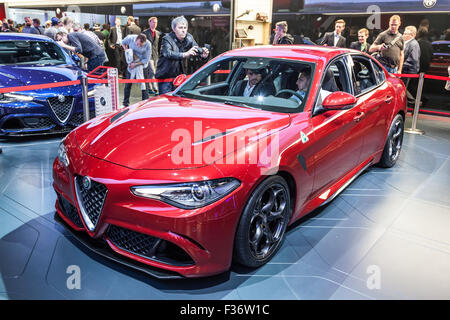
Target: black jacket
x,y
357,46
328,39
155,41
287,39
261,89
113,36
171,62
426,54
132,29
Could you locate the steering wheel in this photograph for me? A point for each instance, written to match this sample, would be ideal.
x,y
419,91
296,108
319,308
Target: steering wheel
x,y
292,92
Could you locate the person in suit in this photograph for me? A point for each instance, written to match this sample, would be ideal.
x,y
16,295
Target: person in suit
x,y
253,86
335,39
361,44
116,35
132,27
153,36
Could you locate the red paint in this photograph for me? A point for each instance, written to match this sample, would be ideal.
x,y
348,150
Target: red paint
x,y
136,150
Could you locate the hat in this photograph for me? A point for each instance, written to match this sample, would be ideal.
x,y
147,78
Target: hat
x,y
256,65
55,21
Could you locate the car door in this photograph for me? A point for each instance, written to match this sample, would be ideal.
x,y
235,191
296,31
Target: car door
x,y
337,139
376,97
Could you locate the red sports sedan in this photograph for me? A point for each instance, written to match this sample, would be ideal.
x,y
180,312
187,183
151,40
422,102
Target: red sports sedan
x,y
185,183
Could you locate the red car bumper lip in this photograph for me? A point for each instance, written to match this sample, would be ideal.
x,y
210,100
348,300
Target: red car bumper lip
x,y
205,235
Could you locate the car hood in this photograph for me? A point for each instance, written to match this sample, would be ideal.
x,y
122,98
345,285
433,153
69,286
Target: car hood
x,y
152,135
14,75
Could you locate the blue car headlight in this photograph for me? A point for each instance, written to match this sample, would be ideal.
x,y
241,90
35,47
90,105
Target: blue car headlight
x,y
62,154
190,195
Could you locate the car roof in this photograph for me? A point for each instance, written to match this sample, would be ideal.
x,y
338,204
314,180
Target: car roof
x,y
311,53
4,36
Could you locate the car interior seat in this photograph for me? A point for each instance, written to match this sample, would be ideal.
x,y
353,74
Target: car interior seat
x,y
329,83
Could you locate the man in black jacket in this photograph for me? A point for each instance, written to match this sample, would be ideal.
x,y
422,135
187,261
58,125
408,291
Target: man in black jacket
x,y
281,35
256,85
153,36
335,39
132,27
175,48
361,44
116,35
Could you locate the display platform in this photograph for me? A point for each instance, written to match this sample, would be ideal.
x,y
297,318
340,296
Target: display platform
x,y
385,237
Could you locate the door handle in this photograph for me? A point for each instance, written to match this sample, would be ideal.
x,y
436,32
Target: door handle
x,y
359,116
389,99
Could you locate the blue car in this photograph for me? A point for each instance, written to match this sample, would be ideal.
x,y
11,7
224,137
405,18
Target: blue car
x,y
27,59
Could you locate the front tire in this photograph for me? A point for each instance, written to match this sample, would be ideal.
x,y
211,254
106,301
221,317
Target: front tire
x,y
263,223
393,144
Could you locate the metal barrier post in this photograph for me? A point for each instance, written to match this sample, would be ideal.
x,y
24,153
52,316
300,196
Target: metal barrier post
x,y
85,89
413,129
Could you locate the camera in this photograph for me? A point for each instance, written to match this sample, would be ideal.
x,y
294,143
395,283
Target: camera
x,y
387,46
198,50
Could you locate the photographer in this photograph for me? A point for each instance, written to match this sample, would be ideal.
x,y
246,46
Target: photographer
x,y
176,47
389,44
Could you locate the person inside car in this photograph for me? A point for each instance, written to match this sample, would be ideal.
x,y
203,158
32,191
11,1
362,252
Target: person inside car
x,y
256,72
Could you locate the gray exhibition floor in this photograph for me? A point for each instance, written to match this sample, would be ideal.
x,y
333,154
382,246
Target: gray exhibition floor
x,y
385,237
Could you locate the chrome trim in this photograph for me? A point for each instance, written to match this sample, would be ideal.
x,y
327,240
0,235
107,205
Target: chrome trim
x,y
91,227
68,114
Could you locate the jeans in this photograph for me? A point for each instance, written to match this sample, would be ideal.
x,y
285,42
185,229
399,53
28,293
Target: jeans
x,y
389,69
95,62
127,92
164,87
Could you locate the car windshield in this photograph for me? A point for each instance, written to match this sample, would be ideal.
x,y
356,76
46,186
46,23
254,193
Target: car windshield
x,y
30,52
278,85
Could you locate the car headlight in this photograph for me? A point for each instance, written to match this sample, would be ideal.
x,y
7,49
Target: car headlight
x,y
62,154
15,97
189,195
91,93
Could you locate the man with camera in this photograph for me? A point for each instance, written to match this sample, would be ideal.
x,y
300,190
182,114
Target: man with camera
x,y
176,47
388,47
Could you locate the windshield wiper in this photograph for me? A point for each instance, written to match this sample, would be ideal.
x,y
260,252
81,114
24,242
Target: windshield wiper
x,y
240,104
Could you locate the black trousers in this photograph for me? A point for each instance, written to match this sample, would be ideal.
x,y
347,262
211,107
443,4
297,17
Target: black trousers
x,y
118,59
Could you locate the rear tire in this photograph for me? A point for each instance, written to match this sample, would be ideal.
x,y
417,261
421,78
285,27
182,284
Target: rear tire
x,y
393,144
263,223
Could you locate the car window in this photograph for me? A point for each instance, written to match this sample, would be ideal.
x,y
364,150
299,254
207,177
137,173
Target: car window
x,y
379,73
363,77
271,84
30,52
335,78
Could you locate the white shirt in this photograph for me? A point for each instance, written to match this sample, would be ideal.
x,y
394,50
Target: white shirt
x,y
336,38
119,35
248,90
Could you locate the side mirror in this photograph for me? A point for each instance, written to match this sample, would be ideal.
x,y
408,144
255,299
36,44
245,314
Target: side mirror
x,y
179,80
338,100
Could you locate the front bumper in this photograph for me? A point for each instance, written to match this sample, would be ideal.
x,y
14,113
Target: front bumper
x,y
191,243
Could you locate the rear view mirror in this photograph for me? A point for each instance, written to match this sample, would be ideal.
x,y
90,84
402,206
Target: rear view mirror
x,y
338,100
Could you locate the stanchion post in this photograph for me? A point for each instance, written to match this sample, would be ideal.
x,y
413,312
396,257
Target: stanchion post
x,y
85,89
113,83
413,129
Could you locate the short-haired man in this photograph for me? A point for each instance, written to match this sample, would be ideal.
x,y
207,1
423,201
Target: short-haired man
x,y
303,81
80,43
281,36
175,48
361,44
390,45
252,87
335,38
153,36
29,28
116,35
37,25
132,27
411,64
141,56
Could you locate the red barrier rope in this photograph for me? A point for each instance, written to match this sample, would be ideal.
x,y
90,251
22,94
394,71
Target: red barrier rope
x,y
100,81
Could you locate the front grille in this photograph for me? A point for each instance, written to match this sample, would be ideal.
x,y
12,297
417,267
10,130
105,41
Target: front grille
x,y
77,118
61,109
38,123
69,211
90,200
148,247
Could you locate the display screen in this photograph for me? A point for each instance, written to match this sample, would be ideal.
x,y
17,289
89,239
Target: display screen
x,y
187,8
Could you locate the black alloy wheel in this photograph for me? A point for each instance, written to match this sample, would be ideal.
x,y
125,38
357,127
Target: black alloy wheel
x,y
393,144
263,224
